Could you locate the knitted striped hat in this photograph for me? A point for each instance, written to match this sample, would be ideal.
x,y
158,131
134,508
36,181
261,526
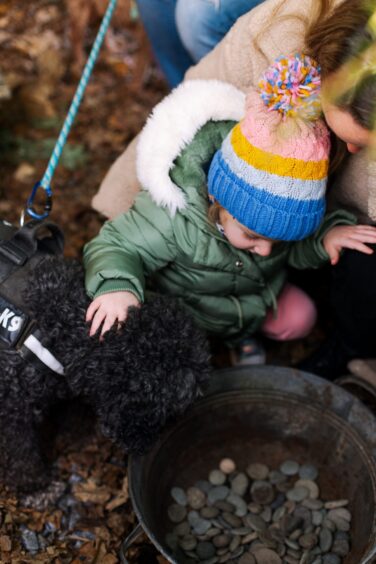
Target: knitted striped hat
x,y
271,171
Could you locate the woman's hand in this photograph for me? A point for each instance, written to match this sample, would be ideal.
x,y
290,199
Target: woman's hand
x,y
108,309
349,237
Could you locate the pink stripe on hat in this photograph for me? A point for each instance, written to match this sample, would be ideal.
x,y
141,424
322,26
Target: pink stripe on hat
x,y
294,138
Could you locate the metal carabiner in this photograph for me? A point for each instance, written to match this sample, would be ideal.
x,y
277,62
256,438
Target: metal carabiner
x,y
30,203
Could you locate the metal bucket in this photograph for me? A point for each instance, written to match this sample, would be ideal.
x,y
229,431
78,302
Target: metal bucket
x,y
264,414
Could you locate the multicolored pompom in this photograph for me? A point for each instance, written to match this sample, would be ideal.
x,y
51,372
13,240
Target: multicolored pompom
x,y
291,86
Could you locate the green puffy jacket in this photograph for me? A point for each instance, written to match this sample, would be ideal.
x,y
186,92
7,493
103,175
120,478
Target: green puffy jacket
x,y
228,291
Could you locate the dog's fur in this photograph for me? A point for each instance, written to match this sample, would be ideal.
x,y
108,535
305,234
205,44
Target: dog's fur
x,y
136,379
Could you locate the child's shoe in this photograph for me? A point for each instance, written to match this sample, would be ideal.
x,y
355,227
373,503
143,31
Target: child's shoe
x,y
248,352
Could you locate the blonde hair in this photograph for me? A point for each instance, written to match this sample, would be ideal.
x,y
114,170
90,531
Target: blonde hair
x,y
214,211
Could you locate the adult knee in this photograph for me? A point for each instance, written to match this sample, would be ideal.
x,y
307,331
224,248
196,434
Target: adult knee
x,y
196,22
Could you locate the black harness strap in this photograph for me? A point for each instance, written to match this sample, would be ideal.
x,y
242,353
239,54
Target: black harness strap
x,y
20,252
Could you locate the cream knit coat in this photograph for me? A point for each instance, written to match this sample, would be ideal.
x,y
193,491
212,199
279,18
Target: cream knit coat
x,y
238,59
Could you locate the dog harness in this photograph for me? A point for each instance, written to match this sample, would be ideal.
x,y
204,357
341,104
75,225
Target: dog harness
x,y
20,252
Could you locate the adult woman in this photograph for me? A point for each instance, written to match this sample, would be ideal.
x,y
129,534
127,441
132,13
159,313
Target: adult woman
x,y
240,58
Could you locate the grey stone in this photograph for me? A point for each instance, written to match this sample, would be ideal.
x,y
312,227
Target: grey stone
x,y
279,513
313,504
317,518
262,492
196,497
289,523
256,522
296,534
224,505
311,486
255,508
267,539
341,513
341,524
289,468
304,514
326,539
308,540
292,544
331,559
247,558
241,531
267,556
205,550
237,553
204,486
193,517
297,494
213,532
217,493
266,514
172,541
234,544
336,504
328,524
209,512
308,472
232,519
182,529
240,504
176,513
257,471
225,557
278,501
239,484
341,547
179,495
276,477
188,543
221,541
290,560
250,537
201,526
217,477
276,534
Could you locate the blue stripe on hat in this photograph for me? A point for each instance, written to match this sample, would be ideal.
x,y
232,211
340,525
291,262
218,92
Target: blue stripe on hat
x,y
269,215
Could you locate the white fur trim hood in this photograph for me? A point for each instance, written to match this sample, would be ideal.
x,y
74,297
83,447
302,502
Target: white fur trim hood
x,y
172,126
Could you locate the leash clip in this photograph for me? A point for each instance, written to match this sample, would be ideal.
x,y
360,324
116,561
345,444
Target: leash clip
x,y
30,210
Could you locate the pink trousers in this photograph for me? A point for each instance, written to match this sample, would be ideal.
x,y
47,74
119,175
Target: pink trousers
x,y
295,318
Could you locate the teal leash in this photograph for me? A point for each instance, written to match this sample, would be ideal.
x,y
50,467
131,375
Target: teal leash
x,y
45,183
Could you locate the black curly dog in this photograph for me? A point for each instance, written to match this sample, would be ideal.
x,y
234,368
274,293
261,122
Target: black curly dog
x,y
136,379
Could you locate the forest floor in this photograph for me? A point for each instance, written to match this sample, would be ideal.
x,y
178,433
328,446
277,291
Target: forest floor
x,y
86,513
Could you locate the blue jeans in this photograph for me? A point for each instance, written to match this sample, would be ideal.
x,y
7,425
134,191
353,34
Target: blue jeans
x,y
181,32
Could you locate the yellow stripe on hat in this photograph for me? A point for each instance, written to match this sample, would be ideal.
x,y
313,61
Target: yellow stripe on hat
x,y
275,164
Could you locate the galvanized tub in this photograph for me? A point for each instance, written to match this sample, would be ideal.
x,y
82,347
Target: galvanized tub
x,y
267,414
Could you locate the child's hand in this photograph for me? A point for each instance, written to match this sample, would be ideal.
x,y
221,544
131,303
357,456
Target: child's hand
x,y
349,237
108,309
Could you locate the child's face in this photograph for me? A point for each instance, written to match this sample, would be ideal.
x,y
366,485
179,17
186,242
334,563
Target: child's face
x,y
242,238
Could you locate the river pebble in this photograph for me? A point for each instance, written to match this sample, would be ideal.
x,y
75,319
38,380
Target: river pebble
x,y
260,515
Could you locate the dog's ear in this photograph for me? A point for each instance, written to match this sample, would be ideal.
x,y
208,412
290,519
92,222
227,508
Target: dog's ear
x,y
55,281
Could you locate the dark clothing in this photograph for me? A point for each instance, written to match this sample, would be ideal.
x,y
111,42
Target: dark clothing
x,y
353,296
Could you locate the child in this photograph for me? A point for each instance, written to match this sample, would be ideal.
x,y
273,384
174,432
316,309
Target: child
x,y
266,177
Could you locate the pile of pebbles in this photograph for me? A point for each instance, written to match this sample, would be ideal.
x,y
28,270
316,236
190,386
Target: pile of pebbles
x,y
259,516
